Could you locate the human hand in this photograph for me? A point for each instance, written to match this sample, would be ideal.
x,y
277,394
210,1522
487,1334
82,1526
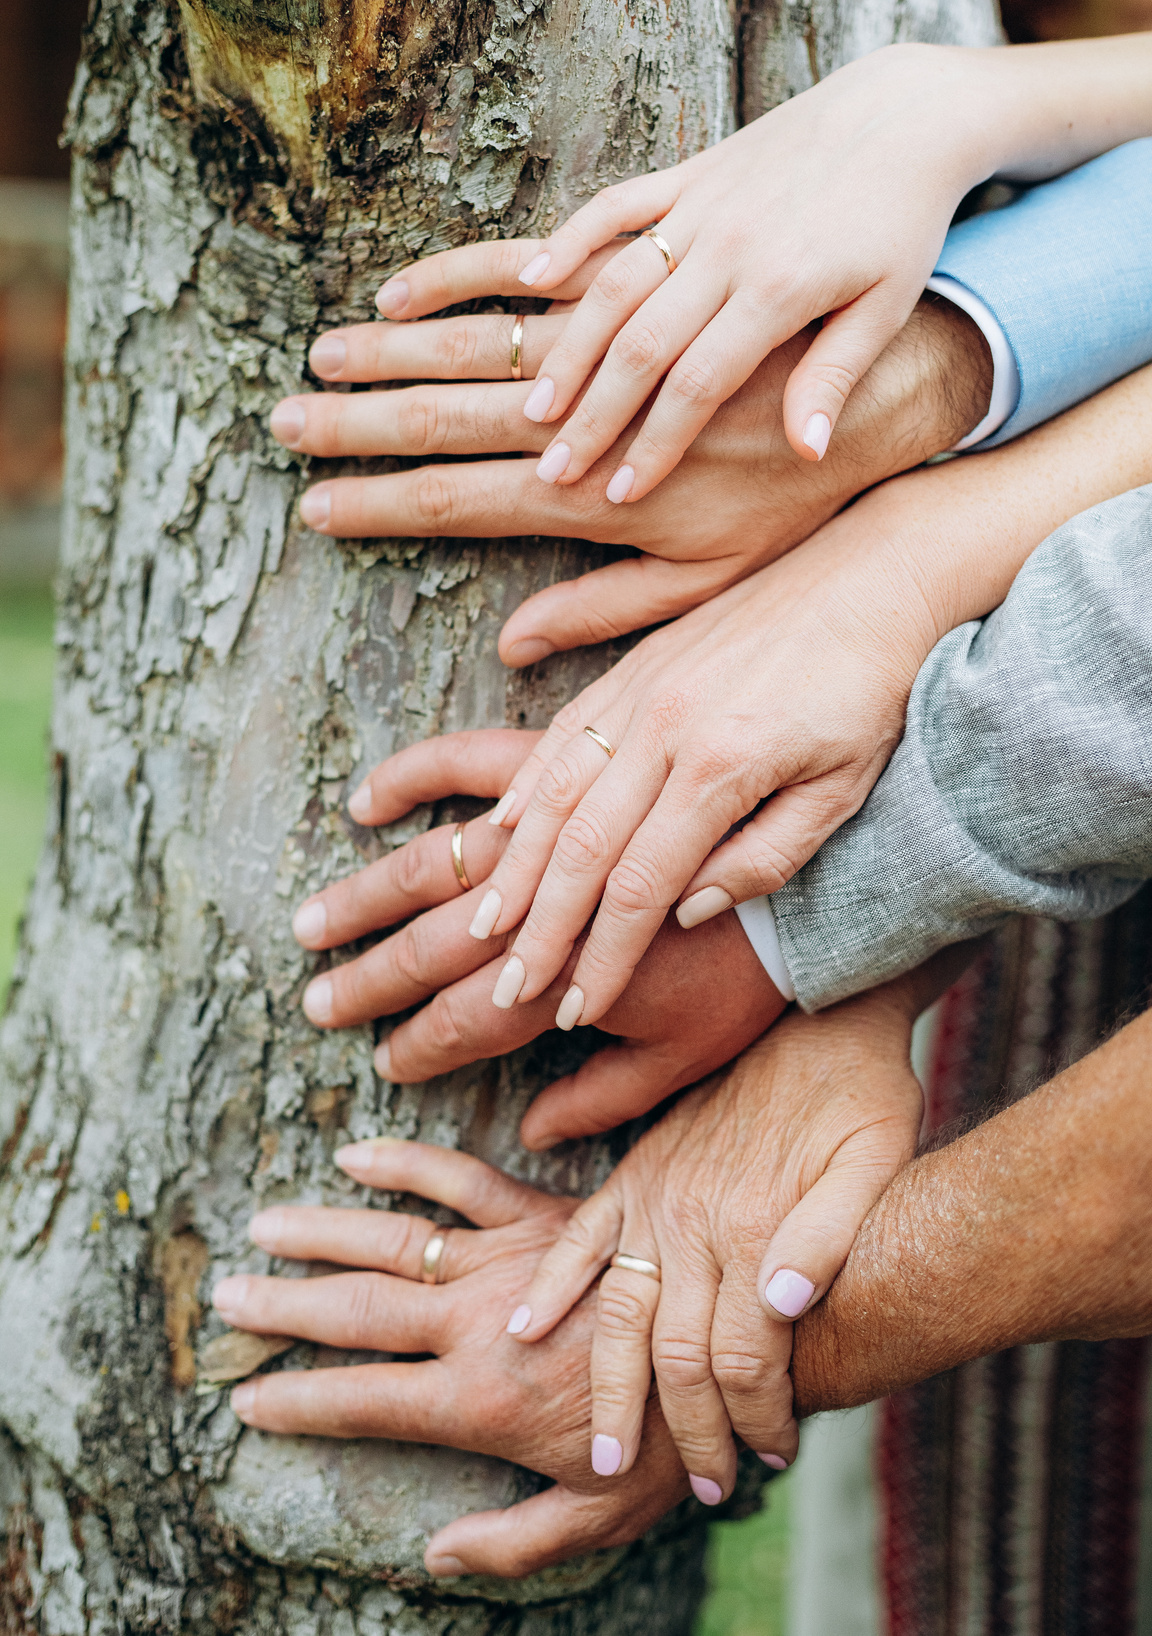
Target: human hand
x,y
738,499
479,1391
694,1002
748,1193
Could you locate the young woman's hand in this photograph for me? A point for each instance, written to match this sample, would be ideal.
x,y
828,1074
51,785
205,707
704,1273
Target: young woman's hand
x,y
746,1198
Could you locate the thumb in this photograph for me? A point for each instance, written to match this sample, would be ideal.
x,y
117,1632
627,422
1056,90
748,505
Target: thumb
x,y
619,1083
625,596
846,348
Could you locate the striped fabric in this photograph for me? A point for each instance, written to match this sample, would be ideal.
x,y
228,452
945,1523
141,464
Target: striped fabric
x,y
1013,1488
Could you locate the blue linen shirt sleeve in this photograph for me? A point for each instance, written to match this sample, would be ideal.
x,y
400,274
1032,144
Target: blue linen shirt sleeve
x,y
1066,270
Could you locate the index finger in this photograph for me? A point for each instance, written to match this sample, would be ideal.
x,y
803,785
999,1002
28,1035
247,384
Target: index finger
x,y
473,270
476,763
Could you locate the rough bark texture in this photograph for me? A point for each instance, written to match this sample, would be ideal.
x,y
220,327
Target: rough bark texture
x,y
246,171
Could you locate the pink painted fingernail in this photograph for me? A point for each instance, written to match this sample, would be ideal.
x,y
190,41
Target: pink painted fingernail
x,y
570,1009
317,1000
382,1062
607,1454
776,1461
539,400
703,905
445,1567
243,1400
528,651
554,463
392,297
519,1321
486,915
508,984
310,922
705,1490
329,354
287,422
536,268
316,508
817,431
620,487
789,1292
502,808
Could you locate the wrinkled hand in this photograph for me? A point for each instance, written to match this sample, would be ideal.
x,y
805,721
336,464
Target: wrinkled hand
x,y
739,499
747,1196
480,1391
694,1002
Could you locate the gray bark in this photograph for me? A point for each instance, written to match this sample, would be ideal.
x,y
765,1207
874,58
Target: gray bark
x,y
245,174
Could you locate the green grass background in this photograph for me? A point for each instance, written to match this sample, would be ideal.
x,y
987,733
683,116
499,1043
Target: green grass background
x,y
747,1561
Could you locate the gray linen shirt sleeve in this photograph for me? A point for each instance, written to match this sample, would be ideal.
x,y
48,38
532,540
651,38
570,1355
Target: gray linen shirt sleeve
x,y
1023,782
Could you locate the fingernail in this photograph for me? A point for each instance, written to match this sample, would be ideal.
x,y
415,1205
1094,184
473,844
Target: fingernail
x,y
445,1567
539,400
555,463
519,1321
267,1228
316,508
354,1157
789,1292
287,422
502,808
392,297
228,1295
536,268
486,915
703,905
243,1400
508,984
621,485
776,1461
817,431
360,804
569,1012
705,1490
317,1000
329,354
607,1454
529,651
310,922
382,1060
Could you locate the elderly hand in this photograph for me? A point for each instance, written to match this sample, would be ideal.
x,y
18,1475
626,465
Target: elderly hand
x,y
694,1002
747,1196
479,1391
739,499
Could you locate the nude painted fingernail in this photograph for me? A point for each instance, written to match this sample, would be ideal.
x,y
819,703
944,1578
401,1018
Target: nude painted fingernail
x,y
382,1061
703,905
316,508
329,354
243,1400
445,1567
607,1454
392,297
310,922
519,1321
536,268
817,431
228,1295
508,984
621,485
360,804
569,1012
267,1228
705,1490
317,1001
287,422
554,464
486,915
529,651
502,808
788,1292
776,1461
539,400
359,1158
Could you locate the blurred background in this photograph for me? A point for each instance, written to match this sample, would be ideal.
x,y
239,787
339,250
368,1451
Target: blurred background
x,y
750,1562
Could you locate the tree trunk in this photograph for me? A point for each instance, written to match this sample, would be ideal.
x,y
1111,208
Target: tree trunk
x,y
245,174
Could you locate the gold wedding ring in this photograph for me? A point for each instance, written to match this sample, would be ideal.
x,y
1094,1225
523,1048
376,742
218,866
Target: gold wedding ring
x,y
458,857
432,1265
598,738
517,343
662,245
635,1263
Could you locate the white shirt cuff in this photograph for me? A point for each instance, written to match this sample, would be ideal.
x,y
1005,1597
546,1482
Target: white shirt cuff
x,y
1005,373
759,925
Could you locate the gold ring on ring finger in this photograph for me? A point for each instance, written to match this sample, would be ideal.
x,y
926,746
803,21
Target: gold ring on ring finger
x,y
432,1261
517,347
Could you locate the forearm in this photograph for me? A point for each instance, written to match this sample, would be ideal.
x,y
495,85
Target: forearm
x,y
1035,1227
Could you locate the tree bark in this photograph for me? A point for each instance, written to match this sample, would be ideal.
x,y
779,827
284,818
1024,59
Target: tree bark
x,y
245,174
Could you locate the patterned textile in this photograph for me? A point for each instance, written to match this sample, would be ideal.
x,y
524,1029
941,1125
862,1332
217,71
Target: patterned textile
x,y
1011,1487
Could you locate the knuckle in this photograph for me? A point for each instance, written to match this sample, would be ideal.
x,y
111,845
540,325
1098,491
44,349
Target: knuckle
x,y
436,500
410,953
455,348
639,348
444,1029
739,1373
419,423
632,888
838,378
581,845
621,1313
615,284
411,872
693,383
679,1364
559,786
570,719
362,1317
